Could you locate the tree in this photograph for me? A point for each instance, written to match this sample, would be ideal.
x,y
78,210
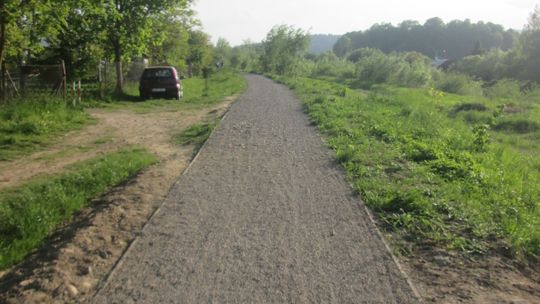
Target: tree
x,y
129,27
81,39
246,57
531,46
284,48
222,53
25,24
200,52
169,44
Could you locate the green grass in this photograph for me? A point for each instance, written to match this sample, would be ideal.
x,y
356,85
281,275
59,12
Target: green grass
x,y
30,212
30,123
196,134
461,172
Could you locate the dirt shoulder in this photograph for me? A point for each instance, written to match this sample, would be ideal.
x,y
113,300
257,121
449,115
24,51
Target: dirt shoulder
x,y
81,253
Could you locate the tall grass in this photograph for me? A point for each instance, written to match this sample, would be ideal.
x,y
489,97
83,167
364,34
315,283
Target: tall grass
x,y
30,212
457,171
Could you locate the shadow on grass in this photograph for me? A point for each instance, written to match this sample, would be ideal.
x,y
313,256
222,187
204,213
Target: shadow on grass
x,y
126,97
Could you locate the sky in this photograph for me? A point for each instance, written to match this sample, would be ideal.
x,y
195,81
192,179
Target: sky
x,y
239,20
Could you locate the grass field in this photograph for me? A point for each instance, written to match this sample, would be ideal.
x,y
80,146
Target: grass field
x,y
30,212
455,171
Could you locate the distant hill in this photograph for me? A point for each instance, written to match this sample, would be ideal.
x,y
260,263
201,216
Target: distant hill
x,y
321,43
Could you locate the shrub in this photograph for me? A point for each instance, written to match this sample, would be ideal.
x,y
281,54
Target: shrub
x,y
458,84
505,88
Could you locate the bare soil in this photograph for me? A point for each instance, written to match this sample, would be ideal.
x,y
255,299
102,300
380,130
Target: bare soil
x,y
77,256
447,277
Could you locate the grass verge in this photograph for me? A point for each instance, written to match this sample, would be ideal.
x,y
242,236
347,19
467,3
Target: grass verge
x,y
438,169
30,212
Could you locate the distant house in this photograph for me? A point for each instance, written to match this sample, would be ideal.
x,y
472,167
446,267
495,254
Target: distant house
x,y
442,63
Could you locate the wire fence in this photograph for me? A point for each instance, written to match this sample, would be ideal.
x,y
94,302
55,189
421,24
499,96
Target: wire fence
x,y
19,80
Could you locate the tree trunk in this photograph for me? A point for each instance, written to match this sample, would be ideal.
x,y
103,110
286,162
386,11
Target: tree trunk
x,y
190,69
118,63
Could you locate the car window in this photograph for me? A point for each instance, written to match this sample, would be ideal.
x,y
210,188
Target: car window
x,y
157,73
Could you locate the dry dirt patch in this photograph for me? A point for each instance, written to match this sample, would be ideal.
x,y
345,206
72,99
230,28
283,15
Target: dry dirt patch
x,y
82,252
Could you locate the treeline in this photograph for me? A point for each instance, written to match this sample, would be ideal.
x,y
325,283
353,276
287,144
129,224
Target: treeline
x,y
509,68
434,38
83,33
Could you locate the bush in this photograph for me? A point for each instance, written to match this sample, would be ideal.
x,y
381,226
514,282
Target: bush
x,y
458,84
505,88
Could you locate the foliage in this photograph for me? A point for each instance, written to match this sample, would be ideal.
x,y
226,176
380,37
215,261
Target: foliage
x,y
26,23
246,57
170,36
283,48
222,53
531,47
458,84
30,212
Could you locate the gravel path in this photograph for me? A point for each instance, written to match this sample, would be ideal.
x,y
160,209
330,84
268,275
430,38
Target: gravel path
x,y
263,215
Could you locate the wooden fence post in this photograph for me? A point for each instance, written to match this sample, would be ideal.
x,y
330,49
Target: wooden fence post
x,y
73,93
64,79
79,92
100,79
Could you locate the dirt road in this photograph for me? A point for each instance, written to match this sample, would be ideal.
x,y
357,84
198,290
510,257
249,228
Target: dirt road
x,y
263,215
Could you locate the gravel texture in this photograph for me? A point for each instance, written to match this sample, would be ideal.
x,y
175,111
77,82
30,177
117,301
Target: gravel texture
x,y
263,215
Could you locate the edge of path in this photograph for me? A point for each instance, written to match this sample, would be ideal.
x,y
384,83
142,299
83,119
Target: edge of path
x,y
103,282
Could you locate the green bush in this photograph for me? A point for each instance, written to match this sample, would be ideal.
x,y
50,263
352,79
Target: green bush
x,y
505,88
458,84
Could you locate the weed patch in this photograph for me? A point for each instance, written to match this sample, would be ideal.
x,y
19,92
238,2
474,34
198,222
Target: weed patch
x,y
196,135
